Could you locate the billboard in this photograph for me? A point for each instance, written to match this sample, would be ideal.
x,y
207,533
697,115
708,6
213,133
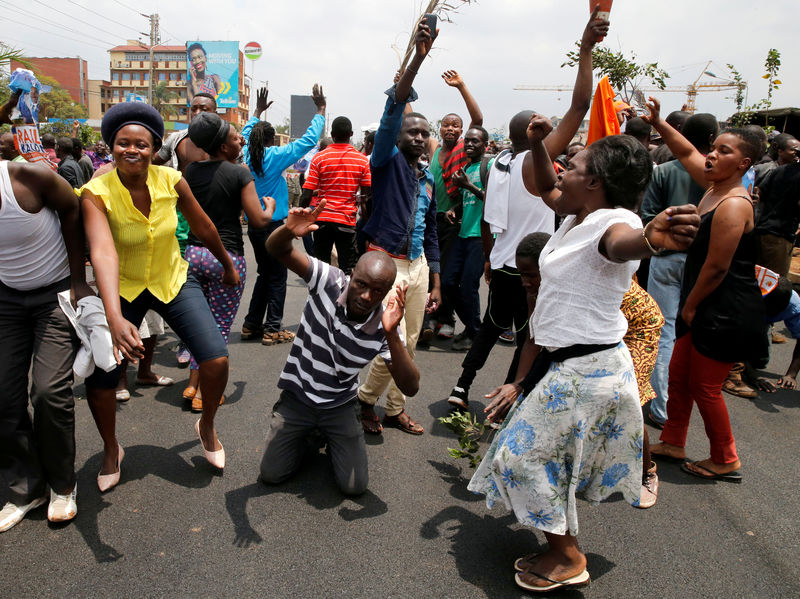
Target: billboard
x,y
302,110
213,68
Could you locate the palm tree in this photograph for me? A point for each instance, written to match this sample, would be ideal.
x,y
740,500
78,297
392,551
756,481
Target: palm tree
x,y
162,96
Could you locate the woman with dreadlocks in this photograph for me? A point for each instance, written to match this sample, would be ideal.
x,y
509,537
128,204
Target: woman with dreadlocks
x,y
267,163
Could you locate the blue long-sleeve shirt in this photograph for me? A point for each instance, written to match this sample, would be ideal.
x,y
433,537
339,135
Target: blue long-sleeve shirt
x,y
276,160
403,219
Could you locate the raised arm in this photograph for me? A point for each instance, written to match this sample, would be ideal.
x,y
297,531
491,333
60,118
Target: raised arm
x,y
291,153
689,156
299,223
582,92
402,367
423,42
205,230
453,79
539,131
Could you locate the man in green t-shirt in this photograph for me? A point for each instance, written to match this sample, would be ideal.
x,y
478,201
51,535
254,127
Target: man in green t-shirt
x,y
463,270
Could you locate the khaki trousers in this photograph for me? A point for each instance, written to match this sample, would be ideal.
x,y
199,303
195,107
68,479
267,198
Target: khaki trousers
x,y
414,273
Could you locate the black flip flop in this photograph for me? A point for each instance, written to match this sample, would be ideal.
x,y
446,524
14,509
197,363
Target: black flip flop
x,y
728,477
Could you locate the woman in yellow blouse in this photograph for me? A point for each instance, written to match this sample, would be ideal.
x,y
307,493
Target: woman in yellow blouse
x,y
130,220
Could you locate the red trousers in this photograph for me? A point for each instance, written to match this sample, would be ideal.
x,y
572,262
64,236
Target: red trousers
x,y
695,378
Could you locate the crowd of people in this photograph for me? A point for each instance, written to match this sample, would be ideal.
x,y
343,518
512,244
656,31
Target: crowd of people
x,y
557,230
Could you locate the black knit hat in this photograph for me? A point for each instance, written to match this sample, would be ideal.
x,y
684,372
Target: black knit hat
x,y
208,131
131,113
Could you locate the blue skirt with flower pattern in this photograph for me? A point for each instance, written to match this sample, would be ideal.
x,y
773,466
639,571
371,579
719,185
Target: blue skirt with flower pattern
x,y
578,432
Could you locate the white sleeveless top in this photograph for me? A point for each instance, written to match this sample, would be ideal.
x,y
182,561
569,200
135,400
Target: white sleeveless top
x,y
581,291
32,250
527,214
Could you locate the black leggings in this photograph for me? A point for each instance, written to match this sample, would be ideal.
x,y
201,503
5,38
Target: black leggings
x,y
507,308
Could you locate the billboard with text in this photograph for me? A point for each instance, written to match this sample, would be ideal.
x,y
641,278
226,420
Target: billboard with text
x,y
213,68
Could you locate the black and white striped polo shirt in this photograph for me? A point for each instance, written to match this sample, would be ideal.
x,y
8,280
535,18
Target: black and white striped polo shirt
x,y
329,350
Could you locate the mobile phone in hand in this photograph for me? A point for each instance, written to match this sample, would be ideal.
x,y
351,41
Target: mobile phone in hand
x,y
430,20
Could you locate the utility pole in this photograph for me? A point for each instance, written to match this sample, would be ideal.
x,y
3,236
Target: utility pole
x,y
155,39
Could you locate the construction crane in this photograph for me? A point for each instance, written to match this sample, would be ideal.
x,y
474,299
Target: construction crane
x,y
690,90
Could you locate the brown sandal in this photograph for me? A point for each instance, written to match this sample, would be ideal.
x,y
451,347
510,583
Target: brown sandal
x,y
407,426
189,393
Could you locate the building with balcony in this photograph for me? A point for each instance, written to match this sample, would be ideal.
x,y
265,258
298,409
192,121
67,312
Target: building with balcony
x,y
130,76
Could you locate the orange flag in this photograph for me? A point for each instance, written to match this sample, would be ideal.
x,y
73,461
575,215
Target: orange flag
x,y
603,117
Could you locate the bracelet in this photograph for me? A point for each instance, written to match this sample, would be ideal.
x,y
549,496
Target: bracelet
x,y
649,245
412,70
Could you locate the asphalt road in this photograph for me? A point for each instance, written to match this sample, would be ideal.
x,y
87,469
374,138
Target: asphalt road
x,y
174,527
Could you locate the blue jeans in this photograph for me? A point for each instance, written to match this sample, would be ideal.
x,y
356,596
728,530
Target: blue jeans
x,y
462,280
269,291
664,285
187,314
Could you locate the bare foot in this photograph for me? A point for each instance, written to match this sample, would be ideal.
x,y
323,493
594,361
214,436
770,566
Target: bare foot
x,y
665,450
718,468
369,420
553,565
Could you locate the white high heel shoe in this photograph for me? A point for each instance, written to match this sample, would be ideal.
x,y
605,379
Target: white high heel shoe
x,y
215,458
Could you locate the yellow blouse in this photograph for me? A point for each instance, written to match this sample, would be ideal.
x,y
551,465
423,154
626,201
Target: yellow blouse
x,y
149,255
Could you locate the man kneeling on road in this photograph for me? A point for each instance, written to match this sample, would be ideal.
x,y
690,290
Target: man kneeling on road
x,y
344,326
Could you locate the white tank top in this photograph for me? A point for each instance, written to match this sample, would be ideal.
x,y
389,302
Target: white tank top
x,y
32,251
527,214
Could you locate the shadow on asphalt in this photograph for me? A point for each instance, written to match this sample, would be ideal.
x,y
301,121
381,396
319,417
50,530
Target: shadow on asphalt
x,y
484,545
314,484
453,475
140,461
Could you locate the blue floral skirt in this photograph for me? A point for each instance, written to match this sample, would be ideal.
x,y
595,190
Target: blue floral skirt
x,y
578,432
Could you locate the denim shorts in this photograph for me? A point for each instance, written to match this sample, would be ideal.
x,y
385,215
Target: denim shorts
x,y
187,314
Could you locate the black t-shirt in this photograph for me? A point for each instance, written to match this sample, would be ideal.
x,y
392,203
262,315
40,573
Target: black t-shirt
x,y
217,185
779,204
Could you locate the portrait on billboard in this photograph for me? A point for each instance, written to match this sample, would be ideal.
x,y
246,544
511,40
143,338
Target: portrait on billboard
x,y
213,68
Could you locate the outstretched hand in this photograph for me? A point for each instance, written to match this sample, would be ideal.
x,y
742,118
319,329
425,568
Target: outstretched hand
x,y
675,228
262,103
452,78
539,127
394,310
302,221
654,109
596,29
318,97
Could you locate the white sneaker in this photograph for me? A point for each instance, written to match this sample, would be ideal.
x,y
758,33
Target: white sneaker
x,y
11,514
62,507
446,331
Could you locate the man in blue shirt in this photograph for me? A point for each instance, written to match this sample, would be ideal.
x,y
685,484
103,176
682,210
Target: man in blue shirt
x,y
403,225
267,163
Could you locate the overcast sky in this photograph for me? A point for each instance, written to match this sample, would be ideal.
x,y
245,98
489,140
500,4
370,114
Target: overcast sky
x,y
346,45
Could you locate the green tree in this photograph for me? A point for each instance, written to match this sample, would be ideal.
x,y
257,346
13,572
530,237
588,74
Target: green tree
x,y
57,103
284,127
772,65
162,96
626,75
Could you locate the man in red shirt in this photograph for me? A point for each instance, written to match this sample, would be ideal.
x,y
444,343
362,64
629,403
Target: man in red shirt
x,y
337,174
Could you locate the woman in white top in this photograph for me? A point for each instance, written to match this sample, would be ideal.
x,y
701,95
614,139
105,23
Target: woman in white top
x,y
580,428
